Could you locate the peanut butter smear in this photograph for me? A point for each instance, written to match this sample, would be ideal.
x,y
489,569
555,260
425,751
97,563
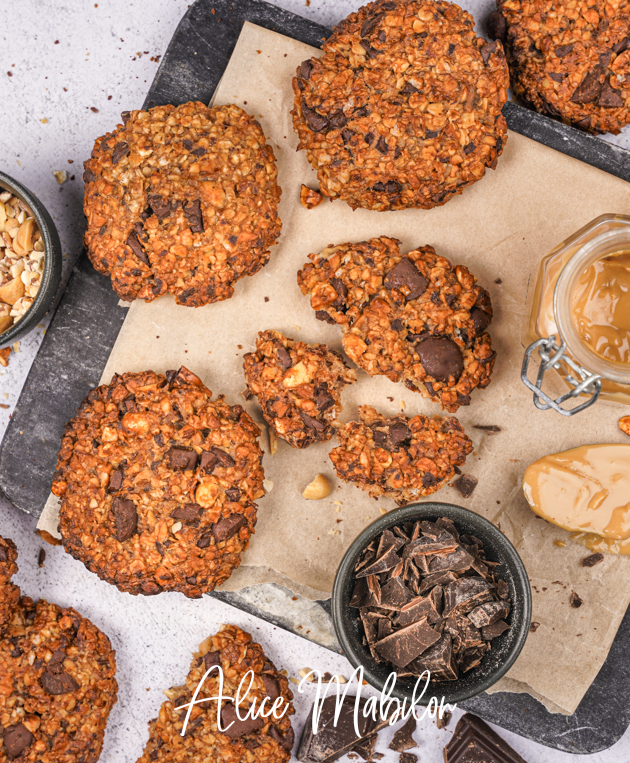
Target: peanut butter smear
x,y
585,490
601,307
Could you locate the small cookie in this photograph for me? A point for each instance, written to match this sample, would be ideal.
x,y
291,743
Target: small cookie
x,y
57,680
260,740
157,484
181,200
569,61
412,318
403,109
298,387
402,458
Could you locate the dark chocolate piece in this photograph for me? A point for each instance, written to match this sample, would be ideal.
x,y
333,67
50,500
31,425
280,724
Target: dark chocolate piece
x,y
465,594
403,738
407,757
489,632
181,459
465,485
592,560
489,428
125,519
575,601
406,277
444,719
234,727
332,741
389,559
475,742
488,613
403,646
227,527
439,660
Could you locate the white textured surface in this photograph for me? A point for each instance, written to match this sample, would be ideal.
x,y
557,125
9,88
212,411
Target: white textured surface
x,y
47,120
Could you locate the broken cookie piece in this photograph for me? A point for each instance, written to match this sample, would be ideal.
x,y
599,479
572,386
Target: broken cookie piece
x,y
310,198
298,387
252,740
402,458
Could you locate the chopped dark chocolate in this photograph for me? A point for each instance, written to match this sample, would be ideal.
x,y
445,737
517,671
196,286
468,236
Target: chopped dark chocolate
x,y
575,601
403,646
533,627
489,632
475,742
488,613
442,720
407,757
403,738
592,560
428,599
489,428
465,485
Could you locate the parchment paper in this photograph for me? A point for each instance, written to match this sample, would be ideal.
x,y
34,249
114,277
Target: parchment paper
x,y
499,228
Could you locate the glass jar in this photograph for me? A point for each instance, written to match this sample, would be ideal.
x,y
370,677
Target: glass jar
x,y
570,367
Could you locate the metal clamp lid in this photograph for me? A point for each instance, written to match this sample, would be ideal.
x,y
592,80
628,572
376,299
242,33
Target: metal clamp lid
x,y
551,355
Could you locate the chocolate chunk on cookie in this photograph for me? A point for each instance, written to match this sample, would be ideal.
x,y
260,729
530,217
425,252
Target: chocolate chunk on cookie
x,y
298,385
570,63
402,469
403,108
241,737
158,484
416,318
61,672
193,193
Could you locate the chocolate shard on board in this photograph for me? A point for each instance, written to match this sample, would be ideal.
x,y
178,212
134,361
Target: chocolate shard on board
x,y
463,595
403,646
403,738
365,748
489,632
383,563
407,757
359,594
332,741
475,742
488,613
439,660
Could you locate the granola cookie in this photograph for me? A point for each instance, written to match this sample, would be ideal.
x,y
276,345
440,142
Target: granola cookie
x,y
181,200
569,60
57,681
402,458
298,387
412,318
260,740
404,107
9,593
157,484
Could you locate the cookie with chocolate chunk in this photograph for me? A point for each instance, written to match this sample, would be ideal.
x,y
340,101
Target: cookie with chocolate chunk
x,y
414,318
157,484
298,387
402,458
57,672
571,62
181,200
403,109
253,740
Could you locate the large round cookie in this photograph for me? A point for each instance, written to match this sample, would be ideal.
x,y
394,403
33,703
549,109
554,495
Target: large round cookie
x,y
267,739
569,60
404,107
413,318
157,484
181,200
57,681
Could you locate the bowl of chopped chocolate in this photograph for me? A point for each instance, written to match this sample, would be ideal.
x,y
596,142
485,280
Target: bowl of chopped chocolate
x,y
435,592
30,260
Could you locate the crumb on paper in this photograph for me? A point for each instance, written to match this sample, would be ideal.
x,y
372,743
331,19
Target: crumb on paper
x,y
534,627
268,485
624,424
310,198
317,489
575,601
60,176
41,557
4,356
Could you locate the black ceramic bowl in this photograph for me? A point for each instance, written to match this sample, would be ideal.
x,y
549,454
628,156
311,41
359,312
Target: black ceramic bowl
x,y
505,648
51,276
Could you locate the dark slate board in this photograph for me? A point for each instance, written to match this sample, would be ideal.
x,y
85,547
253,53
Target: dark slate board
x,y
88,319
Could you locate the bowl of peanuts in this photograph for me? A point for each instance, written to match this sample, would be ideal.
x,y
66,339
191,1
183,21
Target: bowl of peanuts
x,y
30,260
